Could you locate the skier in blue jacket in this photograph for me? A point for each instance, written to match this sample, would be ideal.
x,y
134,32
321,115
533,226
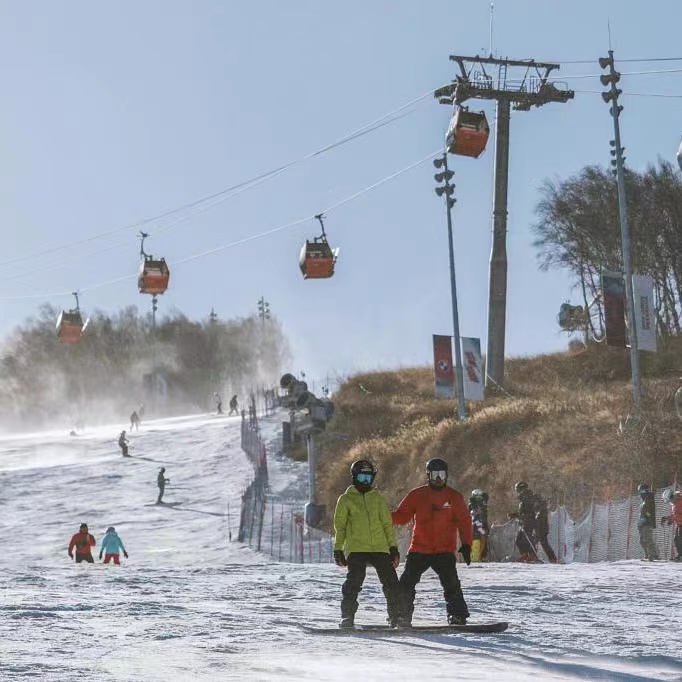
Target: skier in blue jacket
x,y
112,546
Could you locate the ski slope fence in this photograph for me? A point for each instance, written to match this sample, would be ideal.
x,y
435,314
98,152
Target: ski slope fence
x,y
276,526
268,523
607,532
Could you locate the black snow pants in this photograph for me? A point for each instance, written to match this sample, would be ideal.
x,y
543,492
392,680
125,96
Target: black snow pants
x,y
445,567
544,543
677,539
357,570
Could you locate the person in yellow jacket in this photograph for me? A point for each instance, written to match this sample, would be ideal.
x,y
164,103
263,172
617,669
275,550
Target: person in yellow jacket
x,y
364,536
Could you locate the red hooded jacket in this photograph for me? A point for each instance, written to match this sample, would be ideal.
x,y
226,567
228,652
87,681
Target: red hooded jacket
x,y
438,515
82,542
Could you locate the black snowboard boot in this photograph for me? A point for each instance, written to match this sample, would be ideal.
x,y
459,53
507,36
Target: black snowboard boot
x,y
347,623
456,620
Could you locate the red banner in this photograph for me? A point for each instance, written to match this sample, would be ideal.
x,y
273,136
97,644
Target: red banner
x,y
613,290
442,366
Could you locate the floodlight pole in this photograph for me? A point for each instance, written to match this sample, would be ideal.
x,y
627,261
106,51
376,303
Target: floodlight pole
x,y
533,89
446,191
611,96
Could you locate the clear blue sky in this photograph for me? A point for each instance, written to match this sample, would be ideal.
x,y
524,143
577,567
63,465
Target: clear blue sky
x,y
113,112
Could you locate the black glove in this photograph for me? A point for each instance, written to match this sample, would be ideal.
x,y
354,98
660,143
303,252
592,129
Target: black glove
x,y
395,556
340,558
100,555
125,554
465,551
70,555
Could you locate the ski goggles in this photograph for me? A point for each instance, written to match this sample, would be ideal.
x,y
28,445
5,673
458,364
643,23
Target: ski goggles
x,y
439,475
364,478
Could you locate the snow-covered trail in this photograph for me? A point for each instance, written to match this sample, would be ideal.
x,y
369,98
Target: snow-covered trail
x,y
190,605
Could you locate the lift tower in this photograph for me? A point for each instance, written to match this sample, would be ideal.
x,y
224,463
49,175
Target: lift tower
x,y
487,78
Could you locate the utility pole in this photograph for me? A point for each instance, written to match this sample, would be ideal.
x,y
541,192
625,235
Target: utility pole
x,y
446,190
487,78
611,96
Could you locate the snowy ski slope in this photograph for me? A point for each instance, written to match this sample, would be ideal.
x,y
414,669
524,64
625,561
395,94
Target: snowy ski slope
x,y
189,605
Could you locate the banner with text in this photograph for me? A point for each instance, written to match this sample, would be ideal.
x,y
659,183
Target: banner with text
x,y
474,385
442,366
643,294
613,290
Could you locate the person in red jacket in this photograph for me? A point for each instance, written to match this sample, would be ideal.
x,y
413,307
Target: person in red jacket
x,y
82,541
439,513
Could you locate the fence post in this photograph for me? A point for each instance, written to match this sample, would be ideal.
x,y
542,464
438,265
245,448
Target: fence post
x,y
589,544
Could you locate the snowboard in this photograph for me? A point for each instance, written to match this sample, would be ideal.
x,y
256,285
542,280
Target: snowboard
x,y
481,628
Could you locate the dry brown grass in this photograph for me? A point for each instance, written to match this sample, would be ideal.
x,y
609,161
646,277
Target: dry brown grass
x,y
556,426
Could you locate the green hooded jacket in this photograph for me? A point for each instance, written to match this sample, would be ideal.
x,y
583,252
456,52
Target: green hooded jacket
x,y
362,522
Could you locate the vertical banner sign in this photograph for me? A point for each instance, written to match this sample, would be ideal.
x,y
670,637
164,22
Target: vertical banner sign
x,y
442,366
613,290
473,368
643,293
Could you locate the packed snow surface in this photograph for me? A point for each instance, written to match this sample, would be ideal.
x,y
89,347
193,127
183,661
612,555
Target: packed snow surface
x,y
191,605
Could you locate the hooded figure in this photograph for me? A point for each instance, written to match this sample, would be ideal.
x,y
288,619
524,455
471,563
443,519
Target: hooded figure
x,y
112,546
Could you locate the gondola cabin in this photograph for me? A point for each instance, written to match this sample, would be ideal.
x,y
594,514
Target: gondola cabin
x,y
468,133
317,259
154,276
70,326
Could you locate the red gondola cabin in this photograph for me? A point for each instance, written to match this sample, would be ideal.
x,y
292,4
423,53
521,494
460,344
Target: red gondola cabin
x,y
69,326
317,259
154,276
467,133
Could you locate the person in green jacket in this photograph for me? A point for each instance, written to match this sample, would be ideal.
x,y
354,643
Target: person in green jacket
x,y
364,535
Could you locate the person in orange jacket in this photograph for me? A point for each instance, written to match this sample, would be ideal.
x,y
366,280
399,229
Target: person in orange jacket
x,y
82,541
439,513
674,498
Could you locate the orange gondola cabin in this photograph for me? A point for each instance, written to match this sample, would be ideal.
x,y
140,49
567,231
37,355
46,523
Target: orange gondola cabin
x,y
317,258
70,325
468,133
154,276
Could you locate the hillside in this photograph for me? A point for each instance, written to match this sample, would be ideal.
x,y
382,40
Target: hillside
x,y
556,425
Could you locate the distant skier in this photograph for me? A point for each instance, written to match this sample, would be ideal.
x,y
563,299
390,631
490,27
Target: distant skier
x,y
112,546
364,536
526,516
219,404
478,508
123,444
647,522
161,481
140,411
234,406
440,514
82,541
134,421
674,498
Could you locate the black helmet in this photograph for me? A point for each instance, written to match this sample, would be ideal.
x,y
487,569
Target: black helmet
x,y
478,494
162,469
362,466
436,465
643,488
520,487
363,473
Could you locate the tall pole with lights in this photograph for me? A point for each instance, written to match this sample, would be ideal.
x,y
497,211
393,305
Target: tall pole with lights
x,y
446,190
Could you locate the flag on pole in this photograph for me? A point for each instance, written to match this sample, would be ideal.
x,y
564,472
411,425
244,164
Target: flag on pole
x,y
474,388
442,365
643,293
613,290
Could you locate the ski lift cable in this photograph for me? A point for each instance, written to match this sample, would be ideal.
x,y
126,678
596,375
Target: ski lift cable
x,y
654,72
627,93
197,211
633,61
238,242
384,120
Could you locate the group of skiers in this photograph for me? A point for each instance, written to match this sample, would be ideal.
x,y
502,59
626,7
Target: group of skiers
x,y
647,520
234,405
83,541
364,535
